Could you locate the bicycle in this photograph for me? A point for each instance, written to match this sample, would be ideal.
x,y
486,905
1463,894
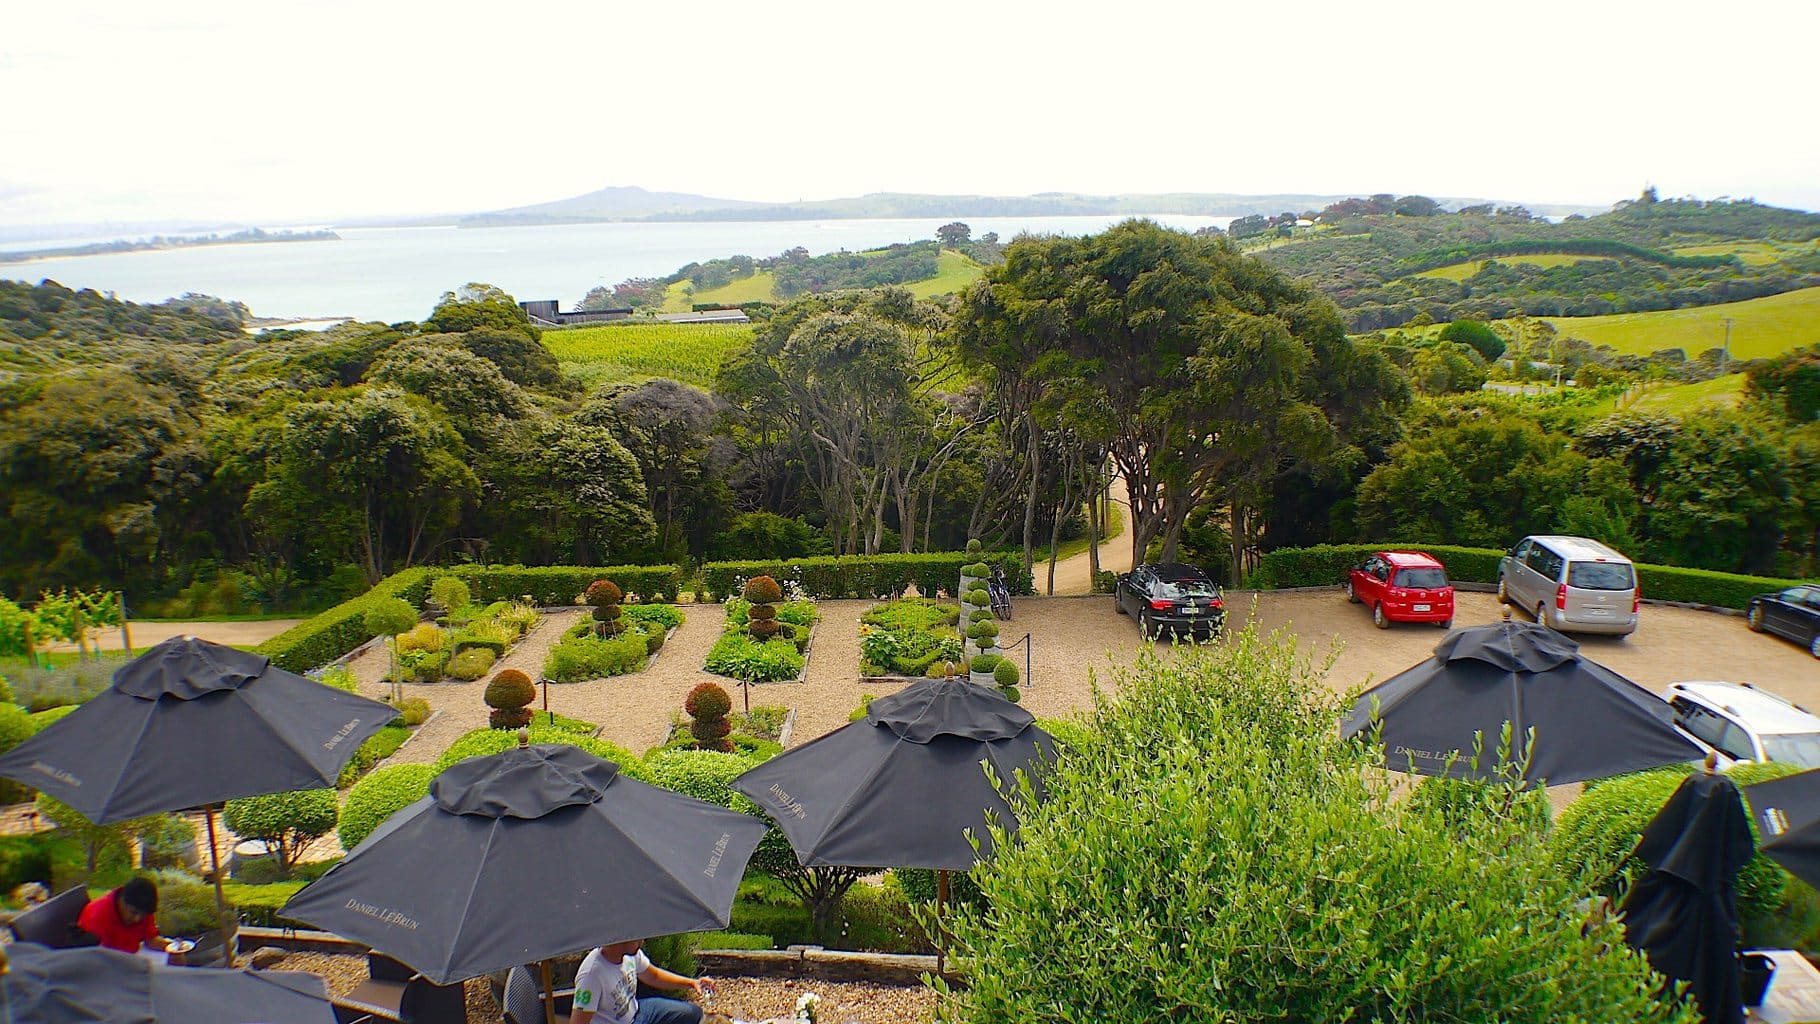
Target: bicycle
x,y
999,594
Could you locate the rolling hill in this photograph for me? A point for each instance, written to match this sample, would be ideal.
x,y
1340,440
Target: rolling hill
x,y
1763,327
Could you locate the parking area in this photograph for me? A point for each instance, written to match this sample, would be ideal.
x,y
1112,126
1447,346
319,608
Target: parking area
x,y
1069,634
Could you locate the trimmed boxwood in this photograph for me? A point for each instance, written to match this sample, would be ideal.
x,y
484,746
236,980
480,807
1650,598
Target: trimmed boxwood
x,y
333,633
482,742
377,797
1326,565
864,576
551,585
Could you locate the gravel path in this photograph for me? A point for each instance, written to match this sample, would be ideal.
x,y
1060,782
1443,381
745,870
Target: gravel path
x,y
1074,574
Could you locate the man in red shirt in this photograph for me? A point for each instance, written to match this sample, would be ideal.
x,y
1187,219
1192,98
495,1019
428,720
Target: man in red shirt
x,y
125,918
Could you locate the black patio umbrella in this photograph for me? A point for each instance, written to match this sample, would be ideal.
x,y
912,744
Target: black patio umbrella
x,y
191,723
77,986
528,854
1788,813
903,786
1589,721
1683,914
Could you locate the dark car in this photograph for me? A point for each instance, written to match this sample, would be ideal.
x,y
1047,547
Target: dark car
x,y
1171,596
1793,613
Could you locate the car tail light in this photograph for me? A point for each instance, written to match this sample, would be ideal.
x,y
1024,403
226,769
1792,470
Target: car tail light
x,y
1216,603
1561,597
1158,604
1636,599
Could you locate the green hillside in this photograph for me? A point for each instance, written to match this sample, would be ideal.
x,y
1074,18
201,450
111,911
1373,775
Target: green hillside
x,y
1762,327
607,354
954,271
1462,271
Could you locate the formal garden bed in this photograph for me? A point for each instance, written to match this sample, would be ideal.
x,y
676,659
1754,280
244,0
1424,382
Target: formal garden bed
x,y
908,638
766,638
615,640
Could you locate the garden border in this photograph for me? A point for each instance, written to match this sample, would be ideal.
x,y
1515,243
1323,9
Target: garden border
x,y
808,652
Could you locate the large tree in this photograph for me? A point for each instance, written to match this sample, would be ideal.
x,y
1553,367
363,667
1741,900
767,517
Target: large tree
x,y
1217,372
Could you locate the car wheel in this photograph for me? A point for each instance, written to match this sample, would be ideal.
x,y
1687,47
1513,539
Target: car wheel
x,y
1445,625
1755,619
1146,628
1503,592
1813,648
1541,614
1118,604
1378,618
1350,595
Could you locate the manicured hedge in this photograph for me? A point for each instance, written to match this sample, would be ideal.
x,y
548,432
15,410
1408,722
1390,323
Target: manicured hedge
x,y
562,584
863,576
1326,565
333,633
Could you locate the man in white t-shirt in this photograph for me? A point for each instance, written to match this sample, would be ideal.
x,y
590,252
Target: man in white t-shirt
x,y
606,989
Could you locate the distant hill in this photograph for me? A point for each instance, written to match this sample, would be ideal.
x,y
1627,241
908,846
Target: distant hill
x,y
632,203
616,202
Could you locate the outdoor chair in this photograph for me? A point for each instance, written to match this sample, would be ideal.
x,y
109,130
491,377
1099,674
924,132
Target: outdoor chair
x,y
53,922
523,998
394,992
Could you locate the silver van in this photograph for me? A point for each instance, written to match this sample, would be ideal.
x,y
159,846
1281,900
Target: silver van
x,y
1571,584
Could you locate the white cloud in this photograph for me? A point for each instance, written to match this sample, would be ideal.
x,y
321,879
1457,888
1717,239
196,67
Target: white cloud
x,y
201,108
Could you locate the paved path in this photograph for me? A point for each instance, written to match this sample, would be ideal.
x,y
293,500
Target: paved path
x,y
1074,574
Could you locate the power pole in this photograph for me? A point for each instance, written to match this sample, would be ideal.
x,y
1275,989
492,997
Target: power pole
x,y
1725,353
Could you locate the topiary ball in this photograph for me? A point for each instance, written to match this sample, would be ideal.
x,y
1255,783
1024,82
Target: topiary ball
x,y
1011,694
762,611
601,593
707,700
708,729
509,718
983,615
763,628
1005,675
763,590
983,630
510,689
606,612
984,663
973,546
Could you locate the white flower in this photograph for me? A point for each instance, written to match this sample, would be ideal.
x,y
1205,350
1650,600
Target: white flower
x,y
805,1006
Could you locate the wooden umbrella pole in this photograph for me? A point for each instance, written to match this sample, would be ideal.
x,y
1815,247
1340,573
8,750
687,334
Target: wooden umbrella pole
x,y
941,936
227,940
549,993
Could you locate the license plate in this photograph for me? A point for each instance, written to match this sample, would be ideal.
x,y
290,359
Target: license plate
x,y
1422,608
1191,610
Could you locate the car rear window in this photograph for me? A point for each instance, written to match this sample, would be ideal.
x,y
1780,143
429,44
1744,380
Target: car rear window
x,y
1600,576
1176,589
1426,579
1796,748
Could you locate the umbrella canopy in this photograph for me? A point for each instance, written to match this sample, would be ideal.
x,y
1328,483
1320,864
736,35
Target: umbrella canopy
x,y
1683,914
902,786
1788,812
1590,722
528,854
76,986
191,723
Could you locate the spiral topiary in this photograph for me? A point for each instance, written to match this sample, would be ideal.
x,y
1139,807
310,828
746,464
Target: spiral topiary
x,y
509,695
604,596
978,598
1005,674
984,630
763,592
708,705
984,663
973,547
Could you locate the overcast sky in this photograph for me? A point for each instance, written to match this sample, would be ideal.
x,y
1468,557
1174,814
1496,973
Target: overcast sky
x,y
287,112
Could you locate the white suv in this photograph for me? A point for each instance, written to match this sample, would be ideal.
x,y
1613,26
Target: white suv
x,y
1743,723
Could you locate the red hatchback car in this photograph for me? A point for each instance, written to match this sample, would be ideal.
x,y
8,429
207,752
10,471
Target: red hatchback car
x,y
1402,586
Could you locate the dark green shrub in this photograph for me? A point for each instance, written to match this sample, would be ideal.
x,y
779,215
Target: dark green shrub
x,y
919,884
986,630
449,593
377,797
377,748
984,663
24,859
973,546
186,904
1304,849
561,585
582,655
482,742
1005,675
16,726
708,705
508,695
166,841
287,821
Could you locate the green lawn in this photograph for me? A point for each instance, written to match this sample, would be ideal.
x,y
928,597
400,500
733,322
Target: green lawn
x,y
1761,328
1750,252
690,353
954,271
1462,271
1680,399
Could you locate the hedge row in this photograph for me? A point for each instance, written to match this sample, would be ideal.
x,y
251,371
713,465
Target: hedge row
x,y
864,576
333,633
1326,565
550,585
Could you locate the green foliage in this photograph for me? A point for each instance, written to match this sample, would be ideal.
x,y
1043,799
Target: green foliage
x,y
768,535
559,585
983,631
862,576
449,593
909,636
333,633
984,663
691,353
664,616
165,840
95,840
378,747
739,656
483,742
1305,848
258,905
1005,675
287,821
581,655
472,663
1481,338
762,590
70,683
706,775
341,677
377,797
414,711
1105,581
16,726
603,593
186,904
26,859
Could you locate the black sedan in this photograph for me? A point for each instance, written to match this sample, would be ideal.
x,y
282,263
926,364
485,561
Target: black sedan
x,y
1171,596
1793,613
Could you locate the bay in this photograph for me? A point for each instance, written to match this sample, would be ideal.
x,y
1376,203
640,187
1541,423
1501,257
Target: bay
x,y
393,274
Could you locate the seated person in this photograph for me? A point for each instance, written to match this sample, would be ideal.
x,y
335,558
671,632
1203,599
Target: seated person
x,y
607,988
125,918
